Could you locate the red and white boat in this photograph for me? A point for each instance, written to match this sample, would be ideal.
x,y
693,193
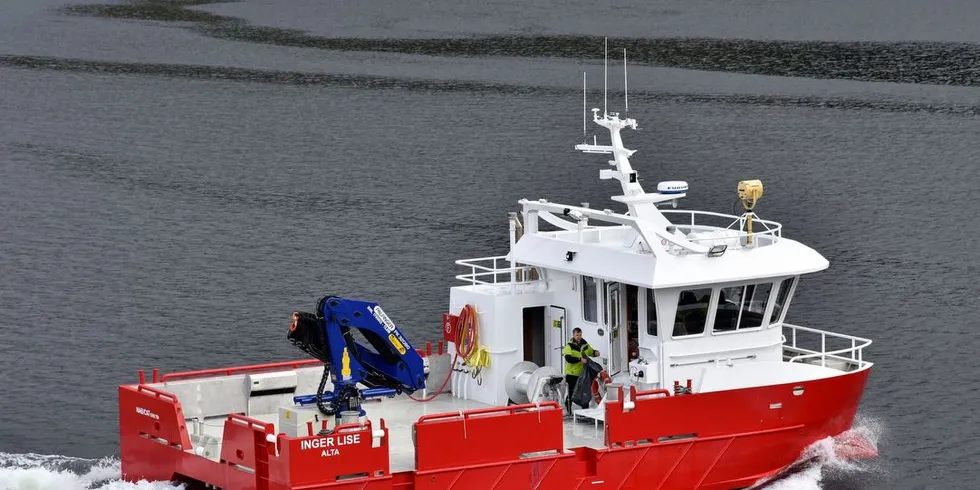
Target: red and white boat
x,y
705,384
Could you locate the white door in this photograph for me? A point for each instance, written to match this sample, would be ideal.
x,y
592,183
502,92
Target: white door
x,y
617,334
557,337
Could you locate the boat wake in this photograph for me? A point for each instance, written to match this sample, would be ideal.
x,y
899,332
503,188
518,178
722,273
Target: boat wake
x,y
832,463
51,472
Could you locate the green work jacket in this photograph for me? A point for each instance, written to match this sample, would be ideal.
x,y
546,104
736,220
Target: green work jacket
x,y
573,356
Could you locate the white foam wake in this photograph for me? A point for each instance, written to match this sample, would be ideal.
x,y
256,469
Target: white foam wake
x,y
827,465
50,472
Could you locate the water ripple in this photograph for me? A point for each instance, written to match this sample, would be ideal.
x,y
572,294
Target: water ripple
x,y
933,63
374,82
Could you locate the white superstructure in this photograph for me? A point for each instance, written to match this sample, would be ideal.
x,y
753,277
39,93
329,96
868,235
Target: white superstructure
x,y
668,296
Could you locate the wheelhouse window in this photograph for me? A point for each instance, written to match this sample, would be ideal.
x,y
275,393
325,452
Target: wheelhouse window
x,y
741,307
590,305
777,310
692,312
651,313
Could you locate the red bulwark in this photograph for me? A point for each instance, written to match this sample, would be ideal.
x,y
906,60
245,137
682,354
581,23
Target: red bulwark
x,y
716,440
245,445
506,434
152,433
348,457
723,439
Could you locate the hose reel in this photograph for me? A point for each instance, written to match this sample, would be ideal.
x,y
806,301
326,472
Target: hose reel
x,y
527,383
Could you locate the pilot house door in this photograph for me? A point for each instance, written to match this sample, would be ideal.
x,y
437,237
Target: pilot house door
x,y
614,322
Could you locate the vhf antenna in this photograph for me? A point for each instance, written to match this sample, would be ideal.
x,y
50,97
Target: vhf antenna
x,y
605,74
626,91
585,136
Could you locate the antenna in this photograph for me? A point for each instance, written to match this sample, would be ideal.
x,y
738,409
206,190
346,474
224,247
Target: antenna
x,y
626,91
605,74
584,136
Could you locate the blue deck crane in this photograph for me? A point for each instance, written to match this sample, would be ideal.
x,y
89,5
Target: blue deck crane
x,y
388,367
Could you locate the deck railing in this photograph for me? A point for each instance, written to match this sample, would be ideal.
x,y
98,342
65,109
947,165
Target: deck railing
x,y
719,228
230,371
497,271
764,232
852,354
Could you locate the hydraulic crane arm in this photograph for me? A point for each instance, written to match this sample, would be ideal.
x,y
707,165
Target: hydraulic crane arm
x,y
388,365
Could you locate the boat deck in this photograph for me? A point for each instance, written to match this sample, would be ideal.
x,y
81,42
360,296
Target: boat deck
x,y
399,414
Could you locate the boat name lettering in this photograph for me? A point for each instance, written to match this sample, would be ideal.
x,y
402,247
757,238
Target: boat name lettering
x,y
146,413
330,442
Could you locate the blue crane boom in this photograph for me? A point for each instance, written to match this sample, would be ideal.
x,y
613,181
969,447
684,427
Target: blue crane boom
x,y
387,367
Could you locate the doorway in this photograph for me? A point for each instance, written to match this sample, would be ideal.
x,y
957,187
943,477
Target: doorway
x,y
632,322
622,305
534,335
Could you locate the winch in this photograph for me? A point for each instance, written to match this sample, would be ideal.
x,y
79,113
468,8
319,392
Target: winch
x,y
527,383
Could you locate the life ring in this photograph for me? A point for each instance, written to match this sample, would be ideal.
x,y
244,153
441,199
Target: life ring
x,y
292,326
598,391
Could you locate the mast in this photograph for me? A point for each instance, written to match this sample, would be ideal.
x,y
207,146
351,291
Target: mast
x,y
641,204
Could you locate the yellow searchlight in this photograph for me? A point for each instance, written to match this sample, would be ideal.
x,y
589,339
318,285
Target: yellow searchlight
x,y
749,191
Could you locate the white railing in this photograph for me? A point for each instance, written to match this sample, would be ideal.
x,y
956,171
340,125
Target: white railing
x,y
497,270
854,354
764,232
590,234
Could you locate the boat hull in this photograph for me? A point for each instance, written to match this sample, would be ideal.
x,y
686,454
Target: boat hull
x,y
715,440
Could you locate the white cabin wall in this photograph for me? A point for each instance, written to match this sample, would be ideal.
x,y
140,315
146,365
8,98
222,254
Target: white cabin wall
x,y
462,385
509,336
699,357
501,330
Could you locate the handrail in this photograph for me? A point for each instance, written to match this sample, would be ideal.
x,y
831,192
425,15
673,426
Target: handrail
x,y
473,277
646,393
772,229
249,422
507,410
157,393
856,350
239,369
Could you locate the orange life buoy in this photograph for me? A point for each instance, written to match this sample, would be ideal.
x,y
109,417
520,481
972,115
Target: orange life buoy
x,y
599,390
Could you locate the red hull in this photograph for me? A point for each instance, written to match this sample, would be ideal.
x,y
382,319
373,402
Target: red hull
x,y
733,438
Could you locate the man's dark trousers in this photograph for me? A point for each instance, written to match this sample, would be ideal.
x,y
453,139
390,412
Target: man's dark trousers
x,y
571,381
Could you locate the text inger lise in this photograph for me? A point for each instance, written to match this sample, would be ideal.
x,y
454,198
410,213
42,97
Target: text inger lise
x,y
330,445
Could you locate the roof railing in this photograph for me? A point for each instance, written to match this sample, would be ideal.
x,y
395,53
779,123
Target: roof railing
x,y
496,270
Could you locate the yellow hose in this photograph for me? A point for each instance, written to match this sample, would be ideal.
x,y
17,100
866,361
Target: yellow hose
x,y
469,337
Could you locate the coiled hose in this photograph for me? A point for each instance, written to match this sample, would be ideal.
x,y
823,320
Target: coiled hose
x,y
466,340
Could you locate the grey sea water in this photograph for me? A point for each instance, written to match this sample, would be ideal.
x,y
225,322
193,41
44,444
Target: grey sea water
x,y
177,177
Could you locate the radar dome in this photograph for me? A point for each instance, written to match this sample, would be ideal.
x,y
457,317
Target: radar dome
x,y
672,187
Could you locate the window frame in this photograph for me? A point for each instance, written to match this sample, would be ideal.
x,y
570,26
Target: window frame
x,y
794,281
596,283
709,316
765,314
649,297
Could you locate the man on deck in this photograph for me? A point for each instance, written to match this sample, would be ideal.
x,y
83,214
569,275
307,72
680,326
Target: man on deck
x,y
576,351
